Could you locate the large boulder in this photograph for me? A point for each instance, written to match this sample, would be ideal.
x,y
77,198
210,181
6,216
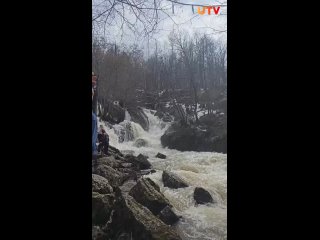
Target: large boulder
x,y
168,216
116,167
172,180
114,177
109,161
114,151
202,196
127,186
195,138
129,173
147,193
132,217
153,184
138,116
101,185
102,205
180,138
113,113
141,161
215,123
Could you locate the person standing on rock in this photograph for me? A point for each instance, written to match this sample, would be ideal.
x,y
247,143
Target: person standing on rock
x,y
103,139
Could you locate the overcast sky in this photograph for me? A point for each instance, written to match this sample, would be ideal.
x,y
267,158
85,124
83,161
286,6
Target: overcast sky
x,y
184,18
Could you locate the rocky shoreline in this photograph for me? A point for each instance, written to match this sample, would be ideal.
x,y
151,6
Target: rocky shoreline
x,y
127,205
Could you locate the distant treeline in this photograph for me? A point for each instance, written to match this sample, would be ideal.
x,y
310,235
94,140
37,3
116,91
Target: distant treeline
x,y
191,62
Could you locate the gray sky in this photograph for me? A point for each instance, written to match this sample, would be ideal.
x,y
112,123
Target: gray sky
x,y
184,19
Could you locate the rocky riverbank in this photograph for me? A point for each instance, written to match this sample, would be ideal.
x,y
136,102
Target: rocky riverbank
x,y
126,204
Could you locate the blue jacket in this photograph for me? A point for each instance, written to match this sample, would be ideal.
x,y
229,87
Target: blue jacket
x,y
94,132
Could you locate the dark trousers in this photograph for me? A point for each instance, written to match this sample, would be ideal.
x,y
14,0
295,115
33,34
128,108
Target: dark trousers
x,y
103,147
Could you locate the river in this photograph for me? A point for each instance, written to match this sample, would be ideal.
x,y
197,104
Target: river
x,y
198,169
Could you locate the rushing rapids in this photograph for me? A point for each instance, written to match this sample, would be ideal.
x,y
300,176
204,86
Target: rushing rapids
x,y
198,169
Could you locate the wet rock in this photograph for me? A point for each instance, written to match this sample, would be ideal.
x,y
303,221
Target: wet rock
x,y
101,185
168,216
138,116
114,177
141,162
152,183
127,186
130,158
140,143
172,180
129,173
147,193
202,196
113,113
109,161
195,138
132,217
160,155
114,151
102,205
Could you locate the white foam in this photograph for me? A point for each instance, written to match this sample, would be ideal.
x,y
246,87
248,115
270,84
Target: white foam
x,y
198,169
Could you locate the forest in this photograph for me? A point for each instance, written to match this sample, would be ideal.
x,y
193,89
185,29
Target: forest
x,y
196,64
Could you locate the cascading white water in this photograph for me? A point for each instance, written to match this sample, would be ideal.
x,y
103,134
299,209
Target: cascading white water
x,y
127,116
198,169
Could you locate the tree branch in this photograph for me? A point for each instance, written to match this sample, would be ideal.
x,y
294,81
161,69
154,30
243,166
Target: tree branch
x,y
197,5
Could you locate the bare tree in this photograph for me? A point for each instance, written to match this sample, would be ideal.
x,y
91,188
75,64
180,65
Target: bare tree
x,y
139,16
193,68
186,48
